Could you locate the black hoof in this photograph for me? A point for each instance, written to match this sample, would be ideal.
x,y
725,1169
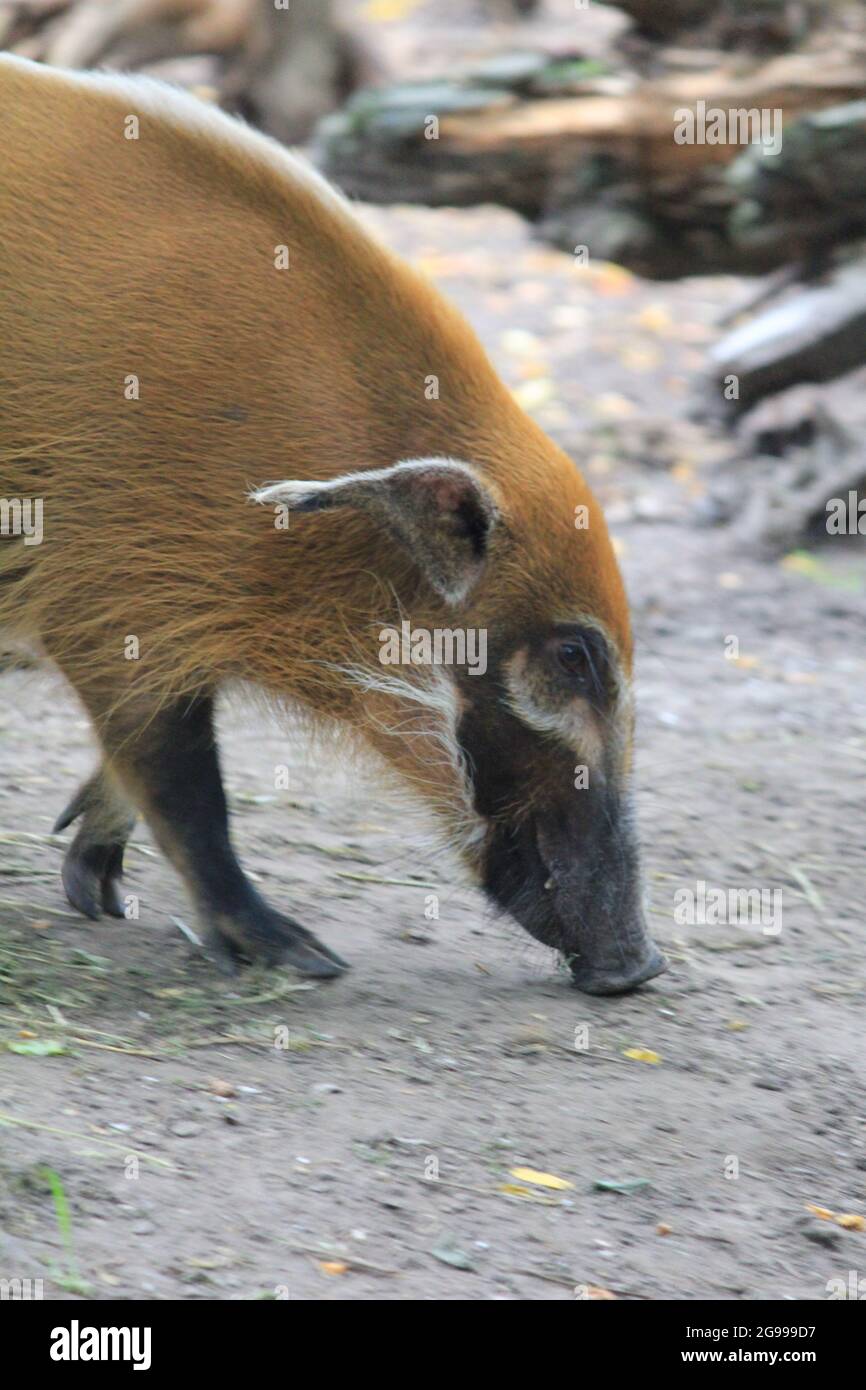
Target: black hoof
x,y
91,881
93,867
273,940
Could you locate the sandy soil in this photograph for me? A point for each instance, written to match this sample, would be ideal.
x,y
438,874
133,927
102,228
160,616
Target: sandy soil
x,y
371,1157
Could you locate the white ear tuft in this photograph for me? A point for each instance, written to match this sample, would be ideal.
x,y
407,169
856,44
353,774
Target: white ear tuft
x,y
299,496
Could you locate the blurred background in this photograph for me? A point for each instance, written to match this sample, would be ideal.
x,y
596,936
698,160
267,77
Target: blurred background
x,y
563,111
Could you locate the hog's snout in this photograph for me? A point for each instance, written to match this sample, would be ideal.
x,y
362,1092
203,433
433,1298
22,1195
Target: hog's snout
x,y
594,885
571,877
619,976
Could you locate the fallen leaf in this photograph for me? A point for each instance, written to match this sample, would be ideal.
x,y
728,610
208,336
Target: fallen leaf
x,y
541,1179
388,11
642,1054
517,342
612,406
332,1267
40,1047
822,1213
683,472
532,368
534,393
851,1222
612,280
636,358
802,563
655,319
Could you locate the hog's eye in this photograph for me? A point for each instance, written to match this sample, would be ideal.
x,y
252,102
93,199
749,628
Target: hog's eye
x,y
572,657
581,657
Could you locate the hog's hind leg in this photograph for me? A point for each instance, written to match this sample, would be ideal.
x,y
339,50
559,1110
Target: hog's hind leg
x,y
93,866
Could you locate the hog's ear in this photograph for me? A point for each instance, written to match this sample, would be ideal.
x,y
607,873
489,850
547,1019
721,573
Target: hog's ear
x,y
436,507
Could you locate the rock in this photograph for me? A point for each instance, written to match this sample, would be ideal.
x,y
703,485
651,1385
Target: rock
x,y
184,1129
813,192
452,1255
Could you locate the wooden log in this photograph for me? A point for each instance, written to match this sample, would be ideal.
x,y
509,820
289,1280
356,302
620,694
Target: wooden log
x,y
816,334
605,167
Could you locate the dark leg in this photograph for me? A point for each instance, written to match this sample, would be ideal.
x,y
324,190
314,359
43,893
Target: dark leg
x,y
93,867
170,767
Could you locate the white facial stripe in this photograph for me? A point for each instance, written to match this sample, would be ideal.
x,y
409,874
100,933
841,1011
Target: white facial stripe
x,y
574,722
573,726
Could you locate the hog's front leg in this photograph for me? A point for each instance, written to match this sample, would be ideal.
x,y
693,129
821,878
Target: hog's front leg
x,y
170,768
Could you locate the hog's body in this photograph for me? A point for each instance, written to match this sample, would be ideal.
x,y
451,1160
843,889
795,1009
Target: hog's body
x,y
185,316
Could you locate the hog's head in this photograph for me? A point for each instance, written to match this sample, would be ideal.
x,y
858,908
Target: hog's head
x,y
528,690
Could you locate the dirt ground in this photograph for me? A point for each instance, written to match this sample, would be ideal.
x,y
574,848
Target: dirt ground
x,y
262,1138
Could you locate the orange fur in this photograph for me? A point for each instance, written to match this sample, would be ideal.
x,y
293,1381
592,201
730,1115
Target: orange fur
x,y
155,257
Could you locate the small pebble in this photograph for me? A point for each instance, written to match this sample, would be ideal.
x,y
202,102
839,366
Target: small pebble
x,y
185,1129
